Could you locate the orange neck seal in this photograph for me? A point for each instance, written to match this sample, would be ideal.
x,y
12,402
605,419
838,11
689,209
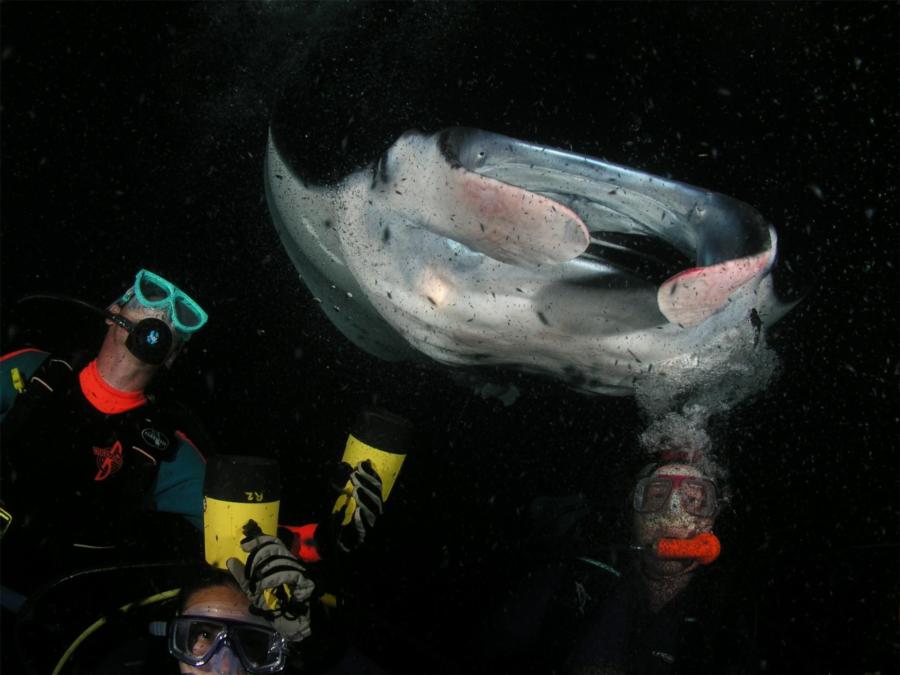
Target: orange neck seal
x,y
103,396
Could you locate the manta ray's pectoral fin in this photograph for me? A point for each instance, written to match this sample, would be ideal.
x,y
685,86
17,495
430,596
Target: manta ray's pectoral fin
x,y
692,296
507,223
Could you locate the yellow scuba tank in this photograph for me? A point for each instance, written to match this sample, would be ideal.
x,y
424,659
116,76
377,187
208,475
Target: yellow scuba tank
x,y
236,490
384,439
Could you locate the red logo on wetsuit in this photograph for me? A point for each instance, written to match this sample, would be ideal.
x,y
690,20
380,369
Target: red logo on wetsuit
x,y
109,461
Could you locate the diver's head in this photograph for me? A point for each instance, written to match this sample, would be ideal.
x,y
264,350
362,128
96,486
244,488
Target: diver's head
x,y
215,632
675,497
149,324
678,492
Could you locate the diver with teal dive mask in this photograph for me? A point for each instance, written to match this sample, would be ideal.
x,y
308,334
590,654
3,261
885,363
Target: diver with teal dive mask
x,y
84,423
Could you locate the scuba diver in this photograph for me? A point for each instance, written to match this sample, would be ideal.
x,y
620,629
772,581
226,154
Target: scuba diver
x,y
654,603
224,625
91,420
669,613
208,625
227,623
86,448
96,469
125,466
215,630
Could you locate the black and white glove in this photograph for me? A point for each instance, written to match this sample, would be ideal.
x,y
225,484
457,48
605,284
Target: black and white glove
x,y
365,486
271,567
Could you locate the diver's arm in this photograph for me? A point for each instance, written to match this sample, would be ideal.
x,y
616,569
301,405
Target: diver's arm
x,y
30,380
179,483
16,370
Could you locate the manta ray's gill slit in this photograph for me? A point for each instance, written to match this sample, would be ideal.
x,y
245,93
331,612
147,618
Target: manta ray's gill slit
x,y
636,255
642,215
380,171
651,248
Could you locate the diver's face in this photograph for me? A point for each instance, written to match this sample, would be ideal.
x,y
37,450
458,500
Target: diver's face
x,y
671,521
221,602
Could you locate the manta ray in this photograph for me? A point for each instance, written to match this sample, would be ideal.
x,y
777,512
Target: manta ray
x,y
466,247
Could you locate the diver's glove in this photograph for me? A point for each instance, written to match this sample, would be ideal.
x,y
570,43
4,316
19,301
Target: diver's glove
x,y
365,489
271,567
363,486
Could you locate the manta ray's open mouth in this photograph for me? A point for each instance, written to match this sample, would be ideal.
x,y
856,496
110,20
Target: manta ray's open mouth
x,y
649,223
474,248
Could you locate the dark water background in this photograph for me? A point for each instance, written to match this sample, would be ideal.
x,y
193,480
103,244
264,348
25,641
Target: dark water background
x,y
133,136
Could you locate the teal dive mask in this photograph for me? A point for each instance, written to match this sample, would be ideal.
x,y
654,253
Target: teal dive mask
x,y
152,291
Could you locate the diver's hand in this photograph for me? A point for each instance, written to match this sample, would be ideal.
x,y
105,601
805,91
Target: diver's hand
x,y
365,485
271,567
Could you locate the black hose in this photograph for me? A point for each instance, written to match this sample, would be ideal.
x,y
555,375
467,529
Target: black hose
x,y
59,297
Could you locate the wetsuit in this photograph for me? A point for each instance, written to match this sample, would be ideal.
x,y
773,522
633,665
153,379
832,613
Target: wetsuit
x,y
701,630
83,464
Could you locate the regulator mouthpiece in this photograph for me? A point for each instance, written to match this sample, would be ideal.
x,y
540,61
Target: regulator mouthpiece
x,y
704,548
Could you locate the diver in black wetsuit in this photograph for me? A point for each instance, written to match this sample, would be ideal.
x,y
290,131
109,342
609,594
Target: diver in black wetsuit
x,y
96,470
655,605
668,615
86,448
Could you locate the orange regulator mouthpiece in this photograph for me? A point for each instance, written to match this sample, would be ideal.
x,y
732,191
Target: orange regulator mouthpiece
x,y
704,548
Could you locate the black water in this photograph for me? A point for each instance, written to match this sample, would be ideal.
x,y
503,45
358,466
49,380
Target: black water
x,y
133,136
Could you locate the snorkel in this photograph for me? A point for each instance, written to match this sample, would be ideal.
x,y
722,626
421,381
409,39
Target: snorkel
x,y
704,548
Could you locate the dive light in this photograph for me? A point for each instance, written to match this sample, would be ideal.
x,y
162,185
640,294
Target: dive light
x,y
384,439
236,490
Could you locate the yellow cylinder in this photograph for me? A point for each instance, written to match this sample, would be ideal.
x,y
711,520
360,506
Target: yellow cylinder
x,y
384,439
236,490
